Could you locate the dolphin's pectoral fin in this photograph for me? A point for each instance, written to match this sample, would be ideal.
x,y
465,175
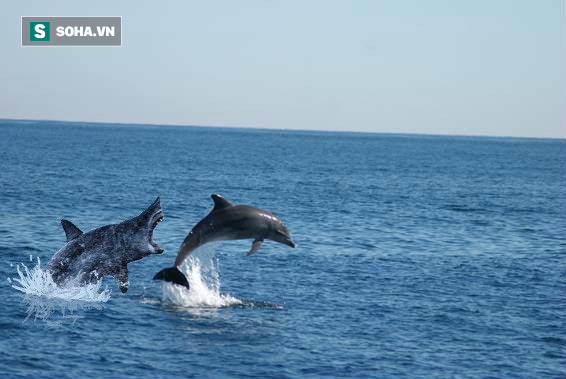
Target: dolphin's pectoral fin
x,y
220,202
71,231
255,246
122,278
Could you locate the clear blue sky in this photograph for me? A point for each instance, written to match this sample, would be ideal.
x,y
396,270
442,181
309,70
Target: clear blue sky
x,y
446,67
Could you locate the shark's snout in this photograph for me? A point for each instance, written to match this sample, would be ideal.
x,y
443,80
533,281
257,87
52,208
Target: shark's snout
x,y
155,218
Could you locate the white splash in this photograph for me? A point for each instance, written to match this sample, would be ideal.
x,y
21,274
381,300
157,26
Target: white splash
x,y
38,282
204,281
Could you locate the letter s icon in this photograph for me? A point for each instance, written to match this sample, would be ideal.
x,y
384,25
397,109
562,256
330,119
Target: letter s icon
x,y
40,32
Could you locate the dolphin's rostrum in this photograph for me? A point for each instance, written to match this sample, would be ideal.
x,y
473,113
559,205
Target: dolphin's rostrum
x,y
228,222
106,250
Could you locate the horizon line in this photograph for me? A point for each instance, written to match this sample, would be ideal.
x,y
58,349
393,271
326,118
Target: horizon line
x,y
284,130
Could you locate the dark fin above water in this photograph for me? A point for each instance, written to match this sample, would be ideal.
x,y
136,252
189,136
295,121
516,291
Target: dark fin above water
x,y
71,231
172,275
220,202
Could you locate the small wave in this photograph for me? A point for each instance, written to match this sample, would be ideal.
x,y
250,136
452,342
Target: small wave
x,y
464,208
38,282
204,281
260,305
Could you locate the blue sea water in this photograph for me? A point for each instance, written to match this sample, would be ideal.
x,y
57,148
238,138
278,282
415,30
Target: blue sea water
x,y
418,256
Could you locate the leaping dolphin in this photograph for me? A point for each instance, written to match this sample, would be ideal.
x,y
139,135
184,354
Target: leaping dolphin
x,y
227,222
106,250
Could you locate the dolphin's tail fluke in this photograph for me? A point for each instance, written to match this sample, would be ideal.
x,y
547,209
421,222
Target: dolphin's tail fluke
x,y
173,275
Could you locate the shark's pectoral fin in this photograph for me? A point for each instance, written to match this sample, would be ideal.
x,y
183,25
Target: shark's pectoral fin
x,y
255,246
71,231
122,278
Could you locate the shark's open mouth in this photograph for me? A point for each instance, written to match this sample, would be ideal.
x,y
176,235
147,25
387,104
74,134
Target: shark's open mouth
x,y
155,219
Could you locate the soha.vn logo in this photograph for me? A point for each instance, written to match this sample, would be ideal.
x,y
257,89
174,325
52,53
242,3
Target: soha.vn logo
x,y
40,31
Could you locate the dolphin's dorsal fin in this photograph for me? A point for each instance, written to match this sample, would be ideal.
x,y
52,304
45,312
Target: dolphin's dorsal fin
x,y
71,231
220,202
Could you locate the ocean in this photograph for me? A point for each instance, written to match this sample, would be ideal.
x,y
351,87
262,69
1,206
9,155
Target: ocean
x,y
418,256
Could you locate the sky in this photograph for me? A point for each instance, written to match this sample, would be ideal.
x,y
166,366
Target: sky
x,y
463,67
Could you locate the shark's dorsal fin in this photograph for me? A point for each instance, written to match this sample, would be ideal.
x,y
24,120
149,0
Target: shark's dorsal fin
x,y
71,231
220,202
